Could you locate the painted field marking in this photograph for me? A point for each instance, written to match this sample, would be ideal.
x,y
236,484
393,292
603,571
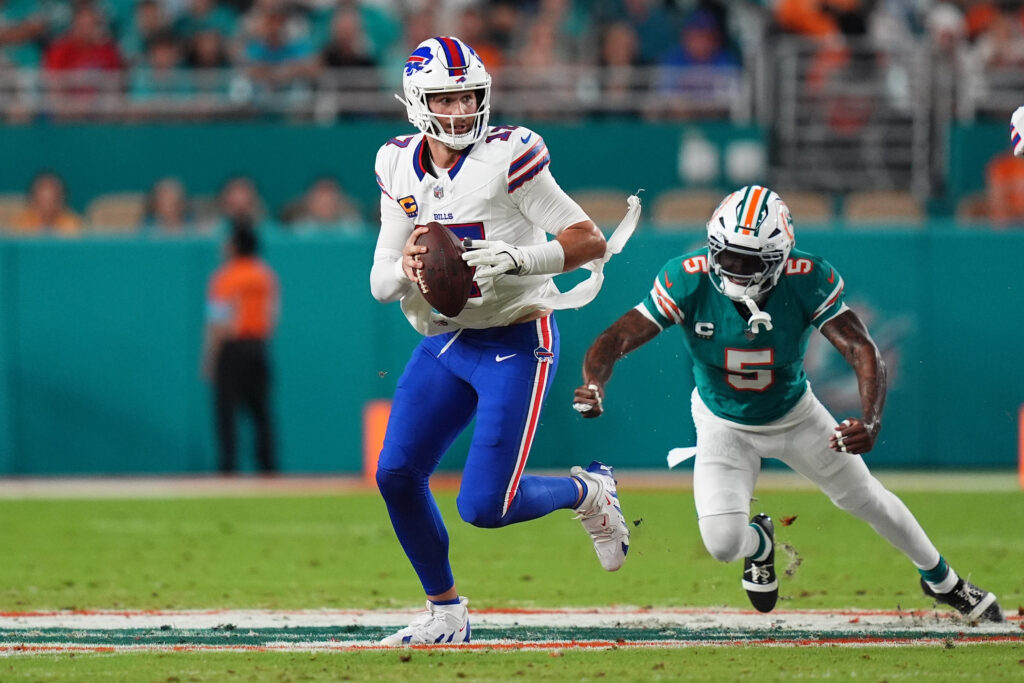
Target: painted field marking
x,y
25,633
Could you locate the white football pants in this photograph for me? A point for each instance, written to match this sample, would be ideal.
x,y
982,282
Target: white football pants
x,y
728,462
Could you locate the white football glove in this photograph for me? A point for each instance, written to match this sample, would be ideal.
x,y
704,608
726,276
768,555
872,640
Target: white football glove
x,y
1017,132
492,258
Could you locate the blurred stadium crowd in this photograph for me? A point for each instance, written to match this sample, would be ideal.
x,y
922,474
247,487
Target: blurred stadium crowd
x,y
167,210
886,76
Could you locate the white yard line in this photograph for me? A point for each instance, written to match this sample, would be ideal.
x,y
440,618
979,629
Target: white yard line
x,y
205,486
852,621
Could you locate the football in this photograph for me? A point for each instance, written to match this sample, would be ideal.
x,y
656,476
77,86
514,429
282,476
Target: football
x,y
445,279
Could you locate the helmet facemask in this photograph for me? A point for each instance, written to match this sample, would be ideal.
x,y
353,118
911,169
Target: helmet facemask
x,y
750,236
741,272
446,65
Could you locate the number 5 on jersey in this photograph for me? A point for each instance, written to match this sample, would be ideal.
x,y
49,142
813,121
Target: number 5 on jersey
x,y
742,374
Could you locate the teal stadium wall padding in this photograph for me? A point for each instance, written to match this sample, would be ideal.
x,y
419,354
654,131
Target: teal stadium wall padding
x,y
99,354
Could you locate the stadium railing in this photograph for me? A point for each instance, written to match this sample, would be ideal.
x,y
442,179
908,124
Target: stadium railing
x,y
558,92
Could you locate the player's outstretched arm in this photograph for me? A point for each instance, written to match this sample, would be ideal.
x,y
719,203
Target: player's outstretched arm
x,y
582,243
849,335
626,334
577,244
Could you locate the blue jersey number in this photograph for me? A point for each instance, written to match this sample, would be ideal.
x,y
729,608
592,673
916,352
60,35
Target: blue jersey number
x,y
474,231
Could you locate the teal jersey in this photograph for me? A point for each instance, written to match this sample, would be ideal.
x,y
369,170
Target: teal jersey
x,y
750,379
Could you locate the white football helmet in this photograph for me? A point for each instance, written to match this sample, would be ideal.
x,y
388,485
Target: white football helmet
x,y
751,222
445,64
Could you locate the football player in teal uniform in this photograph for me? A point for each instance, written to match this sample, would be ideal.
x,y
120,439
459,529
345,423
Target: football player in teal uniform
x,y
746,305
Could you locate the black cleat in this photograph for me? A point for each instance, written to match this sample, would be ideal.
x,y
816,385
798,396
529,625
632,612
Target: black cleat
x,y
976,604
759,577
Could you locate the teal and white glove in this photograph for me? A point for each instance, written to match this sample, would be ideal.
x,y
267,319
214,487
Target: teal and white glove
x,y
1017,132
494,257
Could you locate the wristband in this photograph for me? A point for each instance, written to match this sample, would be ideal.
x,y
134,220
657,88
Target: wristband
x,y
543,259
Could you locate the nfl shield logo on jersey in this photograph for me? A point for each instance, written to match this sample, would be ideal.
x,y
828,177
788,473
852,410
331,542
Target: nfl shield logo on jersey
x,y
438,192
543,354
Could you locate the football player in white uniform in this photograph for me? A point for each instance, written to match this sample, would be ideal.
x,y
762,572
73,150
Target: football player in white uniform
x,y
493,361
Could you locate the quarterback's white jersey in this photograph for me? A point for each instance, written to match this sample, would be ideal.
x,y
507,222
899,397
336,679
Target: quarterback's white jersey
x,y
500,188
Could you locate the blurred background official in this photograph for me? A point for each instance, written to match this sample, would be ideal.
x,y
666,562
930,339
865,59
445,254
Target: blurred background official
x,y
242,309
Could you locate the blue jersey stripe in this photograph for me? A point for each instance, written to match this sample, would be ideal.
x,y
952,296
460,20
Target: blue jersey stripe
x,y
529,174
525,158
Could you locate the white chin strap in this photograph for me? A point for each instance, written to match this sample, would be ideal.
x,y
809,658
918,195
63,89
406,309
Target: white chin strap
x,y
736,292
757,316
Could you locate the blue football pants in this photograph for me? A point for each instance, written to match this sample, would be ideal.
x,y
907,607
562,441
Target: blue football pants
x,y
501,376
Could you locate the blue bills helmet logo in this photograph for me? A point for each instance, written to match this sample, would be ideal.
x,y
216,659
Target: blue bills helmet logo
x,y
417,60
543,354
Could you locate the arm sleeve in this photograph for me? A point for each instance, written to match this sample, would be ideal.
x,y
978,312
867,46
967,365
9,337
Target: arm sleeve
x,y
387,280
546,205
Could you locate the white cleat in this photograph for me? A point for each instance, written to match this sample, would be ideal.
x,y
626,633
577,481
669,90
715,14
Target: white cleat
x,y
601,515
439,625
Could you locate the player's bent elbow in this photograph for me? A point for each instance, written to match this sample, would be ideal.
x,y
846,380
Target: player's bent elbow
x,y
384,286
382,295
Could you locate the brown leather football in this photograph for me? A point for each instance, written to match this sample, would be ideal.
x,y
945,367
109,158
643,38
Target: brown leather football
x,y
445,279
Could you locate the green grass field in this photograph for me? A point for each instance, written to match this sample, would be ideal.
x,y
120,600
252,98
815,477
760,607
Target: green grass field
x,y
335,552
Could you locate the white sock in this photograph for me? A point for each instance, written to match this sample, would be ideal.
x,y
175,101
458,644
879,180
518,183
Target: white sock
x,y
947,584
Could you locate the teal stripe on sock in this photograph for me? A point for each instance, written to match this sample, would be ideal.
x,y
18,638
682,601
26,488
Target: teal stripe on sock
x,y
937,573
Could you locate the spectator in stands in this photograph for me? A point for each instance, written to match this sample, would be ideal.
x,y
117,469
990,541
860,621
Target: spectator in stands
x,y
619,57
699,69
979,17
87,45
148,21
22,29
817,18
417,26
167,210
1001,45
1004,177
207,49
274,59
46,211
242,310
347,45
325,209
238,201
574,24
160,77
945,27
656,24
542,69
206,15
473,29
